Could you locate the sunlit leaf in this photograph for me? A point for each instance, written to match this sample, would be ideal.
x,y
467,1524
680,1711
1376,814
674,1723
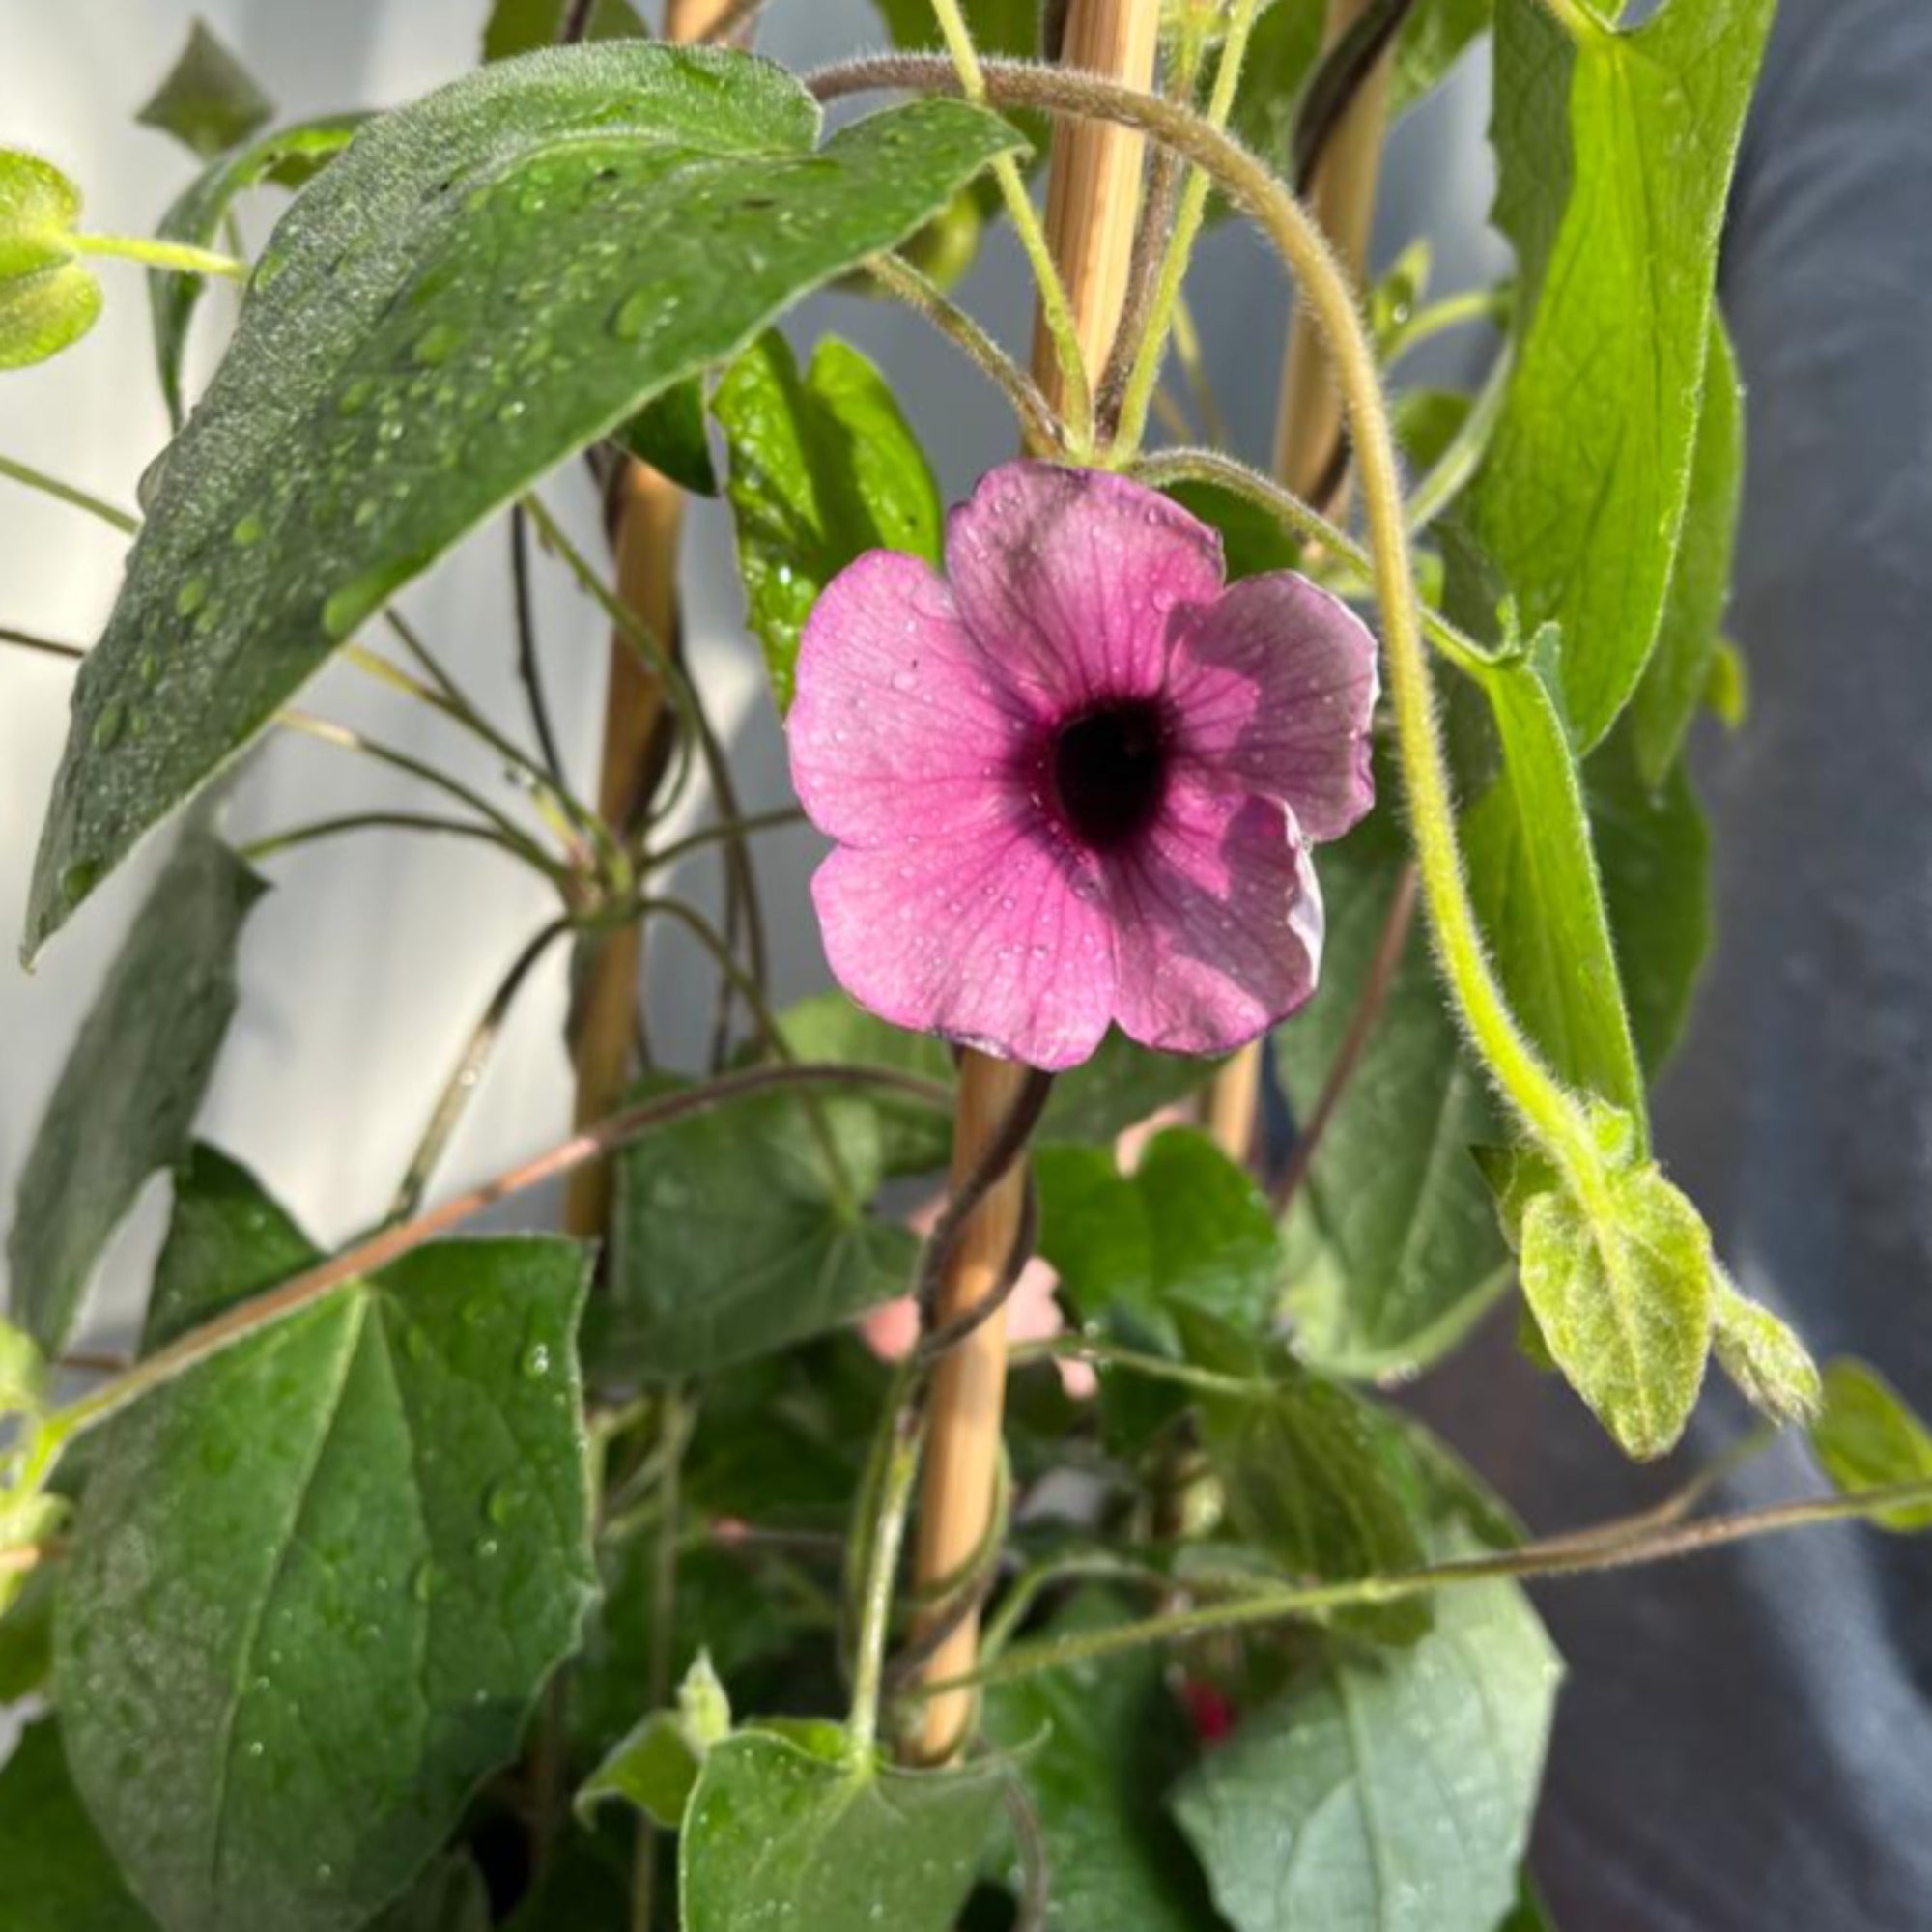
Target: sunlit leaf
x,y
48,299
1865,1437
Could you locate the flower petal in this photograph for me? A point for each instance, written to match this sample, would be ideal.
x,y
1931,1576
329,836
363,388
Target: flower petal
x,y
1273,690
1218,923
898,716
1069,578
997,937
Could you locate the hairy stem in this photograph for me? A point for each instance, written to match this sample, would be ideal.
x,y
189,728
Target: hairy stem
x,y
1551,1112
173,255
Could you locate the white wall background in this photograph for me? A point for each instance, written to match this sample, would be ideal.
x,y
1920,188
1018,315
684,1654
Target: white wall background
x,y
364,969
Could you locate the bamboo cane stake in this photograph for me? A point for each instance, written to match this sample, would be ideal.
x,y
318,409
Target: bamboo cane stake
x,y
1307,425
649,518
1093,199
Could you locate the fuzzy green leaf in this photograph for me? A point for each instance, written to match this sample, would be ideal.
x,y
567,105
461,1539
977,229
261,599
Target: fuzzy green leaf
x,y
743,1229
48,297
1624,1302
1865,1437
823,468
1309,1476
126,1099
481,284
1653,855
1614,153
1533,877
1385,1794
781,1833
1764,1357
1393,1248
209,100
289,155
1679,672
359,1537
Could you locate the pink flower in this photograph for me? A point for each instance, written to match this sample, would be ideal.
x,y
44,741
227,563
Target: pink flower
x,y
1075,780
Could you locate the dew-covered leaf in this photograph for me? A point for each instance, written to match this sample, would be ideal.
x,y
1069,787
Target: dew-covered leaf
x,y
481,284
1866,1437
59,1877
1674,681
1387,1792
359,1537
126,1099
209,101
1393,1248
289,155
48,297
823,468
1623,1300
1614,153
779,1832
743,1229
1098,1741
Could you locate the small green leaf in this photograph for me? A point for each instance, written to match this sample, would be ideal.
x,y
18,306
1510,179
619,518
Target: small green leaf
x,y
1623,1298
27,1637
1679,672
1101,1739
482,284
59,1875
1866,1439
669,434
47,299
743,1229
210,100
781,1833
823,468
226,1240
289,157
1393,1249
913,1137
655,1767
1764,1357
126,1099
522,26
1533,876
451,1897
1188,1224
1614,153
1653,855
358,1536
1308,1475
1434,35
1385,1794
23,1373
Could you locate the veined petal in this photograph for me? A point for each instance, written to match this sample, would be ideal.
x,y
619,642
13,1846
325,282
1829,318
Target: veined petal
x,y
1273,692
899,718
1074,579
1217,923
995,935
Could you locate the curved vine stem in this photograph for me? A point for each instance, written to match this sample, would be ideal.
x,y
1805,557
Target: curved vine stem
x,y
1552,1114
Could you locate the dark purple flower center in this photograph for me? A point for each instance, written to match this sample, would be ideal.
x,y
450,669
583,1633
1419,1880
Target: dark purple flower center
x,y
1109,765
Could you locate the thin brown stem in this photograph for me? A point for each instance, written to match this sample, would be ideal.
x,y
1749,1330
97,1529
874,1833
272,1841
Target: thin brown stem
x,y
389,1245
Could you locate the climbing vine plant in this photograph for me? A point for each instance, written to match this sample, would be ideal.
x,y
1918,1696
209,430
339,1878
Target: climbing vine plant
x,y
588,1577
